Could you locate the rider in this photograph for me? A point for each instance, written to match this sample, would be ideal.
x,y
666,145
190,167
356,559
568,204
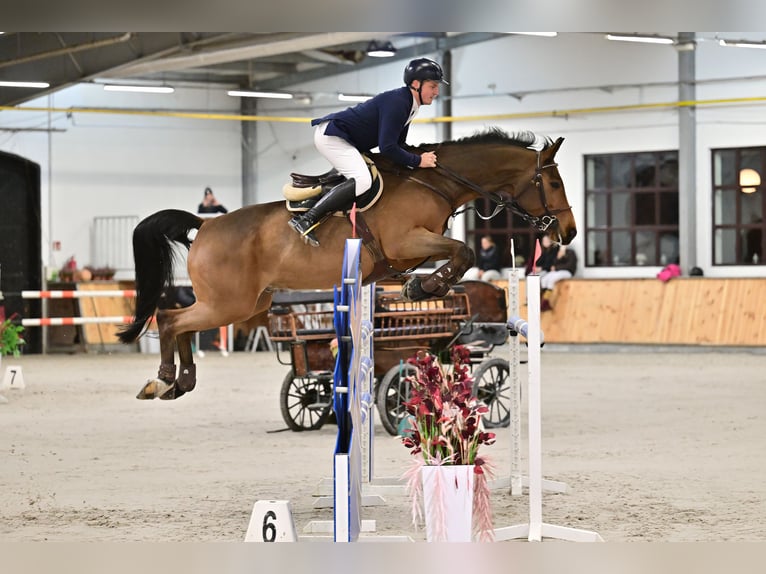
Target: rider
x,y
382,121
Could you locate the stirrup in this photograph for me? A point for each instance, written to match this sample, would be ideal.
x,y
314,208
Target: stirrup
x,y
307,234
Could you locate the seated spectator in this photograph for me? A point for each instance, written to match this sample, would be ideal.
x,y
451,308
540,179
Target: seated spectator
x,y
547,256
563,267
487,262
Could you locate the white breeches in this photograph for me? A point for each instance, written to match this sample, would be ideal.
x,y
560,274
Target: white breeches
x,y
548,280
344,157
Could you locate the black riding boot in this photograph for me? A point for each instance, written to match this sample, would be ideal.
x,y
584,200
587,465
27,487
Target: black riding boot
x,y
339,198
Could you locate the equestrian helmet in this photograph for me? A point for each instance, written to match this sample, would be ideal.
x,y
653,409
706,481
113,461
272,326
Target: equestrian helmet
x,y
423,69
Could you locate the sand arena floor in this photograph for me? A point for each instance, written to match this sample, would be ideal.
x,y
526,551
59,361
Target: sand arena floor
x,y
653,447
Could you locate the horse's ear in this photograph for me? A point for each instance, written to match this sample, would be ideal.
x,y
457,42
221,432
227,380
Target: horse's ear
x,y
554,148
549,153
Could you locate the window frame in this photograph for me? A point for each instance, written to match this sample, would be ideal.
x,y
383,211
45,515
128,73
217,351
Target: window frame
x,y
610,191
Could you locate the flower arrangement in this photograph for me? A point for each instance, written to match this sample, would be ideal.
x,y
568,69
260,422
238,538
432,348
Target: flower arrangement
x,y
447,430
10,338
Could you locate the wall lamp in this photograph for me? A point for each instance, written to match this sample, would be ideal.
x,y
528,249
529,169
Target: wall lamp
x,y
749,180
381,49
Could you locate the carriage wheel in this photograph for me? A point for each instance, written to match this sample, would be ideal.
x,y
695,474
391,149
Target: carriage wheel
x,y
393,390
306,402
491,385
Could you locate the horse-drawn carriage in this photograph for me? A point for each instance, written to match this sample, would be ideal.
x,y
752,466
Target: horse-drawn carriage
x,y
302,321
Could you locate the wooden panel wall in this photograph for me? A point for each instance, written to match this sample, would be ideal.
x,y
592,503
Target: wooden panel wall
x,y
684,311
102,333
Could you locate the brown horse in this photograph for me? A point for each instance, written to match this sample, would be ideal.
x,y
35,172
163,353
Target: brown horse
x,y
237,260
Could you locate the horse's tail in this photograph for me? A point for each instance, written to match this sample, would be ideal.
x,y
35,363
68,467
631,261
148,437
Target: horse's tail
x,y
153,257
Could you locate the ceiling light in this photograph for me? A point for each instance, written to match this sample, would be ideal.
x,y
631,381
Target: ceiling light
x,y
140,89
546,34
742,44
749,179
381,50
643,39
249,94
353,97
25,84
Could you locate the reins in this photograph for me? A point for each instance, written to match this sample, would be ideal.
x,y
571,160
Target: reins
x,y
542,223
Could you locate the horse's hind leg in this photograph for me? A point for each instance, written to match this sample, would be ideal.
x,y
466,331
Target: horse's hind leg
x,y
166,374
187,372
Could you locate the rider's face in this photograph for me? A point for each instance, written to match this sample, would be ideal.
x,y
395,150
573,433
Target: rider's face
x,y
429,91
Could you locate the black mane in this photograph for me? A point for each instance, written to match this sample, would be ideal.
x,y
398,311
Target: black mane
x,y
496,135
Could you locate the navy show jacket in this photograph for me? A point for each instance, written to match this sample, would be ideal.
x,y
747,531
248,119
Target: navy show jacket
x,y
379,122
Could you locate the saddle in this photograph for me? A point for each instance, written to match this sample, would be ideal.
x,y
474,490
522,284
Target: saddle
x,y
304,191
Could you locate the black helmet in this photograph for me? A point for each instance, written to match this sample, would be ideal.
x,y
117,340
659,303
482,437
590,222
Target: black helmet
x,y
423,69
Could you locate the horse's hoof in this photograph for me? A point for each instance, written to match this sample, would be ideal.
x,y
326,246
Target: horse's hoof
x,y
413,291
154,389
173,393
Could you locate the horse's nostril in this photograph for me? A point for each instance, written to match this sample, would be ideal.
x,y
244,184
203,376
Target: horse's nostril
x,y
571,235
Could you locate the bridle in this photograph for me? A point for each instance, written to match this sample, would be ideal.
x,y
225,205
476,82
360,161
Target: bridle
x,y
541,223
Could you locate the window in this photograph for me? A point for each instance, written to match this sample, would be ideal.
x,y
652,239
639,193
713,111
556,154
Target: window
x,y
504,226
631,209
738,206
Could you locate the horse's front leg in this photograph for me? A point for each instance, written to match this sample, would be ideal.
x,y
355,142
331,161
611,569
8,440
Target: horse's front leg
x,y
423,243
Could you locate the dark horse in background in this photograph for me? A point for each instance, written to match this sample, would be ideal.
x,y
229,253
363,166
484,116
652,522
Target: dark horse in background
x,y
237,260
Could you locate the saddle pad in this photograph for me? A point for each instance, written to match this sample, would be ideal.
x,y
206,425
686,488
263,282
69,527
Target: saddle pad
x,y
305,200
302,193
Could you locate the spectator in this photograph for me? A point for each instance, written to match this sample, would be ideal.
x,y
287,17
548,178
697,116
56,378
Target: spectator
x,y
210,203
488,262
563,267
547,256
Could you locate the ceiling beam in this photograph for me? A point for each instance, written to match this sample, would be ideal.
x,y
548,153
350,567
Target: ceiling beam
x,y
284,44
427,47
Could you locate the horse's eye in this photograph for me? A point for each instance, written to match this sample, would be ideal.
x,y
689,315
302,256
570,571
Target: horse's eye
x,y
556,184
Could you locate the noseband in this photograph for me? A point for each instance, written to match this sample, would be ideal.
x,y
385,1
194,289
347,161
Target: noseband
x,y
541,223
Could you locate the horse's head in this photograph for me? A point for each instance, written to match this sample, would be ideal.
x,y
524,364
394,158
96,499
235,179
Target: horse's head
x,y
517,172
540,198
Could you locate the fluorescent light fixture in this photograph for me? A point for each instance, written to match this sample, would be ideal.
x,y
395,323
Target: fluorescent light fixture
x,y
25,84
249,94
742,44
353,97
546,34
140,89
381,50
642,39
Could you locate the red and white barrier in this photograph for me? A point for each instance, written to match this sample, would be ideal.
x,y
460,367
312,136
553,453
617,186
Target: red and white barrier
x,y
76,294
57,321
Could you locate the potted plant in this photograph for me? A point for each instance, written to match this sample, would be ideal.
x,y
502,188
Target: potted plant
x,y
10,337
446,431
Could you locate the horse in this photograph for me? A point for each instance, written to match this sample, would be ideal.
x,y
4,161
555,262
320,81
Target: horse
x,y
237,260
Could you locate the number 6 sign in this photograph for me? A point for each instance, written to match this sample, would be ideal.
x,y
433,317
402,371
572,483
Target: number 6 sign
x,y
271,521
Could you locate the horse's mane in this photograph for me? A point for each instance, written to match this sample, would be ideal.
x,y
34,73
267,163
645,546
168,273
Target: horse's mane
x,y
525,139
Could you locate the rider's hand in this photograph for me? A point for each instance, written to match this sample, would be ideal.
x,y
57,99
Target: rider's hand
x,y
428,159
